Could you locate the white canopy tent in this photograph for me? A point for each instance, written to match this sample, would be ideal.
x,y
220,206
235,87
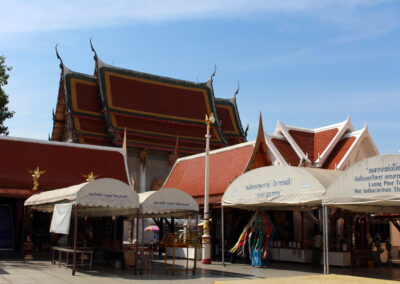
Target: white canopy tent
x,y
372,185
277,188
167,202
101,198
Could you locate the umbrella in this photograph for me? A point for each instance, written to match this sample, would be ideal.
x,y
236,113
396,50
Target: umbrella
x,y
152,228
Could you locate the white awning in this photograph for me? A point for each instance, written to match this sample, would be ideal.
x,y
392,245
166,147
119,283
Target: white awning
x,y
101,197
167,202
279,187
371,185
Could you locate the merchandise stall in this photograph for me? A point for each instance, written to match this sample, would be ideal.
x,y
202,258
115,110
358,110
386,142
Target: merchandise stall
x,y
369,186
172,202
279,188
104,197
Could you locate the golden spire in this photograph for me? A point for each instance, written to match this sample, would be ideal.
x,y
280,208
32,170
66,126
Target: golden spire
x,y
36,173
90,177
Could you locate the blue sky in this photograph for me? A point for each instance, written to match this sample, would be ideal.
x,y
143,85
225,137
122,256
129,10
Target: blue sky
x,y
309,63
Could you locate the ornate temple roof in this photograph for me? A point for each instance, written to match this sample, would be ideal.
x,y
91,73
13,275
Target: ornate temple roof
x,y
328,147
64,163
226,164
154,110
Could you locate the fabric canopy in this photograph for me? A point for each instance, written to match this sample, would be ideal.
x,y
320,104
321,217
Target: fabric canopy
x,y
279,187
371,185
101,197
167,202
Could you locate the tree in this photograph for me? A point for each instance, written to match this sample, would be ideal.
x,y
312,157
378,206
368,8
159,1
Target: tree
x,y
5,113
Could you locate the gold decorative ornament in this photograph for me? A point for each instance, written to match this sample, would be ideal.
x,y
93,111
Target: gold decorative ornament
x,y
36,173
90,177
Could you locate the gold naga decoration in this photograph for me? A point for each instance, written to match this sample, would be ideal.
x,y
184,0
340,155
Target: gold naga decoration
x,y
90,177
36,173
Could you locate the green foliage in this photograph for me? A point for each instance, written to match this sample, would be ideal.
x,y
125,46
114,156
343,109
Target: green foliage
x,y
5,113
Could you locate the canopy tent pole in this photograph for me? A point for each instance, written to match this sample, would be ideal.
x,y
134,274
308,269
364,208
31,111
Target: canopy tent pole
x,y
223,235
325,238
75,240
137,240
142,255
197,235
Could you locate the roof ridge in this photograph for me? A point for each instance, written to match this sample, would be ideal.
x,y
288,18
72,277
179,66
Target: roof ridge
x,y
58,143
217,151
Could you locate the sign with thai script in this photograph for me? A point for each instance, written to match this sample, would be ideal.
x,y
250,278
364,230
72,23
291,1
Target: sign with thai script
x,y
382,179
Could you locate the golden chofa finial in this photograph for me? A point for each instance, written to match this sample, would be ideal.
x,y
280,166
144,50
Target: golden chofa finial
x,y
90,177
36,173
209,120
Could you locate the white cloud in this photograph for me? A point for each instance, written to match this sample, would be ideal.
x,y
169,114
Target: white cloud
x,y
45,15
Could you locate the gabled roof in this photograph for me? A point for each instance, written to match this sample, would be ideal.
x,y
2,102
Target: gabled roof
x,y
322,147
226,164
83,112
155,110
64,163
231,125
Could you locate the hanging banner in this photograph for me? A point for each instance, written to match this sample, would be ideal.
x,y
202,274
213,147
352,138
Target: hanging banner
x,y
61,218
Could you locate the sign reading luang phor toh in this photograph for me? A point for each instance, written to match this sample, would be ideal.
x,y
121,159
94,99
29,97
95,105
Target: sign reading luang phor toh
x,y
384,179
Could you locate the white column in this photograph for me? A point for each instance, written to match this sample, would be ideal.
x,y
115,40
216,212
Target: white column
x,y
206,238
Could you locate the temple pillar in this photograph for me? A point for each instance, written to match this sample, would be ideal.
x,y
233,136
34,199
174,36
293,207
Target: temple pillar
x,y
142,171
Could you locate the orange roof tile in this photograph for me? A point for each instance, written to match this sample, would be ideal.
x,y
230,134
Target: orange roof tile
x,y
225,166
338,152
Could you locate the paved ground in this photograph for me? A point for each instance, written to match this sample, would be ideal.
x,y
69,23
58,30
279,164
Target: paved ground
x,y
19,271
313,279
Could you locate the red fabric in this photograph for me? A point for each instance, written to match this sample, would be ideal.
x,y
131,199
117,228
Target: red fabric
x,y
188,175
64,165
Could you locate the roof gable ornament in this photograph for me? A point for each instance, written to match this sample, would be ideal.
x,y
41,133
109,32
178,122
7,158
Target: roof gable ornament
x,y
213,74
247,129
91,46
59,57
237,91
260,150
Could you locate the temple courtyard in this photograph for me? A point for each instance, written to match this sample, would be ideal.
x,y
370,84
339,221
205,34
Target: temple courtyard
x,y
42,271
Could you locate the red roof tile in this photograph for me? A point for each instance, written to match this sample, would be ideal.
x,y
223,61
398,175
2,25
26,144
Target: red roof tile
x,y
313,143
286,151
64,163
338,152
225,166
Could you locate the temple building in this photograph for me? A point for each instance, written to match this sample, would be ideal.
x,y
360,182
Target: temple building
x,y
54,165
158,114
332,147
